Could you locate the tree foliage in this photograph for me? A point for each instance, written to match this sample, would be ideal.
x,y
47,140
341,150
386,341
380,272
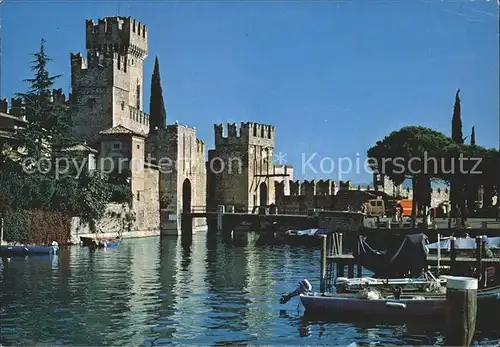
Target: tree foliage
x,y
409,152
158,117
41,185
456,121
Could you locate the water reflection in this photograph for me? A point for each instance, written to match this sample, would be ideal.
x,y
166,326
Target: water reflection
x,y
170,290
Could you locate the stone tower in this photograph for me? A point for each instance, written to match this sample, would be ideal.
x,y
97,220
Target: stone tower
x,y
240,169
107,87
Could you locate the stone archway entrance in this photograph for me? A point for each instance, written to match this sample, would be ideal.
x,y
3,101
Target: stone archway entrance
x,y
186,221
263,194
186,196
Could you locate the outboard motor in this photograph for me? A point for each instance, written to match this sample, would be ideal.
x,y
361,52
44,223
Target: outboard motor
x,y
303,288
55,247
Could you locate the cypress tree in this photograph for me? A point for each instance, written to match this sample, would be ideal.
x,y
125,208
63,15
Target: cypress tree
x,y
473,137
158,117
456,121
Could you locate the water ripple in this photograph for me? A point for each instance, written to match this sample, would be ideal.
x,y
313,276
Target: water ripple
x,y
156,291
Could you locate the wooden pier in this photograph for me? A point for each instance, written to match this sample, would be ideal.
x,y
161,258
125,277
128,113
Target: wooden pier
x,y
335,260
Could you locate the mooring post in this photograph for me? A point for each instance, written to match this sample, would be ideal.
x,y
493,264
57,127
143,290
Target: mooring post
x,y
461,302
350,270
1,231
220,213
439,253
453,254
359,270
323,264
479,255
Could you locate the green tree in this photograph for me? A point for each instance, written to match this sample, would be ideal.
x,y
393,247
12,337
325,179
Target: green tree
x,y
412,152
157,117
456,181
456,121
49,121
47,134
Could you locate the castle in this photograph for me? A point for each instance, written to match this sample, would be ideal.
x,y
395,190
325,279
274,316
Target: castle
x,y
166,168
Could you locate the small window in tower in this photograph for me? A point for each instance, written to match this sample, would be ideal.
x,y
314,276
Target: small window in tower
x,y
117,145
138,146
123,105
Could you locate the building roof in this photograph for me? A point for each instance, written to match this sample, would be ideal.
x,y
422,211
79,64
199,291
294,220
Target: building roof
x,y
121,130
81,147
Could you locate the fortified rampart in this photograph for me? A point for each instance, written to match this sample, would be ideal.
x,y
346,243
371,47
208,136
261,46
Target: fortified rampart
x,y
240,168
328,194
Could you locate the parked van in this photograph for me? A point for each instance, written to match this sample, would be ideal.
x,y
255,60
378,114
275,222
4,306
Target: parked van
x,y
376,207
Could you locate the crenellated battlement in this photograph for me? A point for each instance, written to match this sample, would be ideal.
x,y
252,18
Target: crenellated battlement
x,y
310,188
328,194
245,134
16,106
200,146
117,34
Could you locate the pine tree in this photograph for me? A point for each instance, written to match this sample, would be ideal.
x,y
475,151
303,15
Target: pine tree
x,y
158,117
473,137
49,121
456,121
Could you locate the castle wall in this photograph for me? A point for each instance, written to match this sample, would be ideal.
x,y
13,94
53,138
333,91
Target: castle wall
x,y
240,166
180,156
328,195
284,170
147,207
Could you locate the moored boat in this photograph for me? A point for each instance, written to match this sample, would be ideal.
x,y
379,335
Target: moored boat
x,y
100,242
373,302
27,250
415,304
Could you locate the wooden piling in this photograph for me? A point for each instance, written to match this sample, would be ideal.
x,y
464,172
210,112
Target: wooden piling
x,y
220,213
350,270
453,254
439,254
461,301
340,268
1,231
323,264
479,255
359,271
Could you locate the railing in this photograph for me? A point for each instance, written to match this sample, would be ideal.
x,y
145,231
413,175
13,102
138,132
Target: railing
x,y
255,210
138,115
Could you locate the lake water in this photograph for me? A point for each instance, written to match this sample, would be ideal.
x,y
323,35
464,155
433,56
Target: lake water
x,y
156,291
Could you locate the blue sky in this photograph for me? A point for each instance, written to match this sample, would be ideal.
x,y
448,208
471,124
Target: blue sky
x,y
333,77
